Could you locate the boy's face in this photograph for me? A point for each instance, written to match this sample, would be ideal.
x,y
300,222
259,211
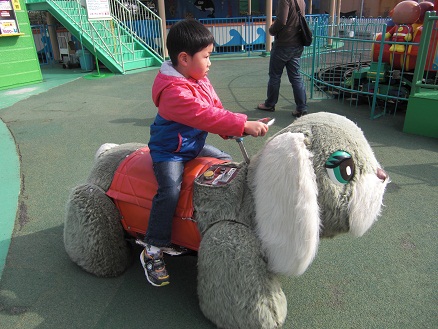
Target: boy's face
x,y
197,66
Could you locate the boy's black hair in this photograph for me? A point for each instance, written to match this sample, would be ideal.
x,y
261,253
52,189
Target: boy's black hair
x,y
188,36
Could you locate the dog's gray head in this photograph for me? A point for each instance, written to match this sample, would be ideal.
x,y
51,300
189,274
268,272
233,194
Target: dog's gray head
x,y
317,177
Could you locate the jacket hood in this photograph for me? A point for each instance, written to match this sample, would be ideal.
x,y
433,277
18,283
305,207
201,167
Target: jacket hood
x,y
168,69
167,75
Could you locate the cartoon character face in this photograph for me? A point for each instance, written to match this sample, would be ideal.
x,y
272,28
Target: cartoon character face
x,y
406,12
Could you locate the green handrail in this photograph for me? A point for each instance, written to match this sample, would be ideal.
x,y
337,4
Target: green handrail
x,y
423,51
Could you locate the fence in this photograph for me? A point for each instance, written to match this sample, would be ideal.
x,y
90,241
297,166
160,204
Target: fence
x,y
335,61
244,34
141,23
428,58
355,64
232,35
349,60
235,35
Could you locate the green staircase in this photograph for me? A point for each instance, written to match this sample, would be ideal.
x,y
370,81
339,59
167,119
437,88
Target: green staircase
x,y
126,42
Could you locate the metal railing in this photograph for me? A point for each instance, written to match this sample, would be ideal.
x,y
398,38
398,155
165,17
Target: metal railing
x,y
245,34
347,61
103,33
353,63
422,78
236,34
141,24
131,22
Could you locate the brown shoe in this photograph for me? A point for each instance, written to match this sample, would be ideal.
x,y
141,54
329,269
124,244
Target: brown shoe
x,y
263,107
298,114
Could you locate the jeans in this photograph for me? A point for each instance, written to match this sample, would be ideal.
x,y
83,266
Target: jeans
x,y
289,57
169,176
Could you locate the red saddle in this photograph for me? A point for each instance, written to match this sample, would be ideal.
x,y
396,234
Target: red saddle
x,y
134,186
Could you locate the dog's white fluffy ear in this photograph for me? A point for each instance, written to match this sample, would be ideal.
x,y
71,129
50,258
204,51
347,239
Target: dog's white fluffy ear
x,y
287,213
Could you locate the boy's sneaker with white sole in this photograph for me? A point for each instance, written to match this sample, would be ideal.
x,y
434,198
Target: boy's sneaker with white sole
x,y
154,268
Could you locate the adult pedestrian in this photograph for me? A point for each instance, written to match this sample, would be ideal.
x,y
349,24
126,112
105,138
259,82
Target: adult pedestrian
x,y
286,52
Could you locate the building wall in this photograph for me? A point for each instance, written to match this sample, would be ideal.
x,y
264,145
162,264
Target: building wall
x,y
371,8
18,58
377,8
179,9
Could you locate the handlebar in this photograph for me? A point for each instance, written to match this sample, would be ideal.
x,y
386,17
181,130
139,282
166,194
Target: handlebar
x,y
268,121
239,140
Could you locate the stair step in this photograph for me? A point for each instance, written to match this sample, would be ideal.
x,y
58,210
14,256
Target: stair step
x,y
139,63
110,40
138,54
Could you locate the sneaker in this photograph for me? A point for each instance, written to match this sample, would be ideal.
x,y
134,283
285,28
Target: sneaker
x,y
154,268
298,114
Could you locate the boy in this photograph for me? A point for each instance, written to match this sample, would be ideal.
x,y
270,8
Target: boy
x,y
188,108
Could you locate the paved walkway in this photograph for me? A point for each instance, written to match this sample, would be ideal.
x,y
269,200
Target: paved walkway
x,y
386,279
9,162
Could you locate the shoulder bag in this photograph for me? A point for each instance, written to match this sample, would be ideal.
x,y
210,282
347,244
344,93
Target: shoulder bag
x,y
306,33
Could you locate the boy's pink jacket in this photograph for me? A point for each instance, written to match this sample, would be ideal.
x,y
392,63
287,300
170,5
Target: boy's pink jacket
x,y
193,103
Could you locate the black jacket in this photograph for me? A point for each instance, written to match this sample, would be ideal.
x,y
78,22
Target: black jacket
x,y
286,25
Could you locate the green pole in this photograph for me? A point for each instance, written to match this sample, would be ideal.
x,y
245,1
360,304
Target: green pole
x,y
422,52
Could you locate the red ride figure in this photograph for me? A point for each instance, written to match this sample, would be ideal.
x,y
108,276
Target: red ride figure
x,y
403,15
399,33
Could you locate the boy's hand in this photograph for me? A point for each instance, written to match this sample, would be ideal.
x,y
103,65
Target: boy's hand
x,y
255,128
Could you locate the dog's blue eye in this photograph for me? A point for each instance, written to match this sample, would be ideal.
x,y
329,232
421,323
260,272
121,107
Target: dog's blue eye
x,y
340,167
